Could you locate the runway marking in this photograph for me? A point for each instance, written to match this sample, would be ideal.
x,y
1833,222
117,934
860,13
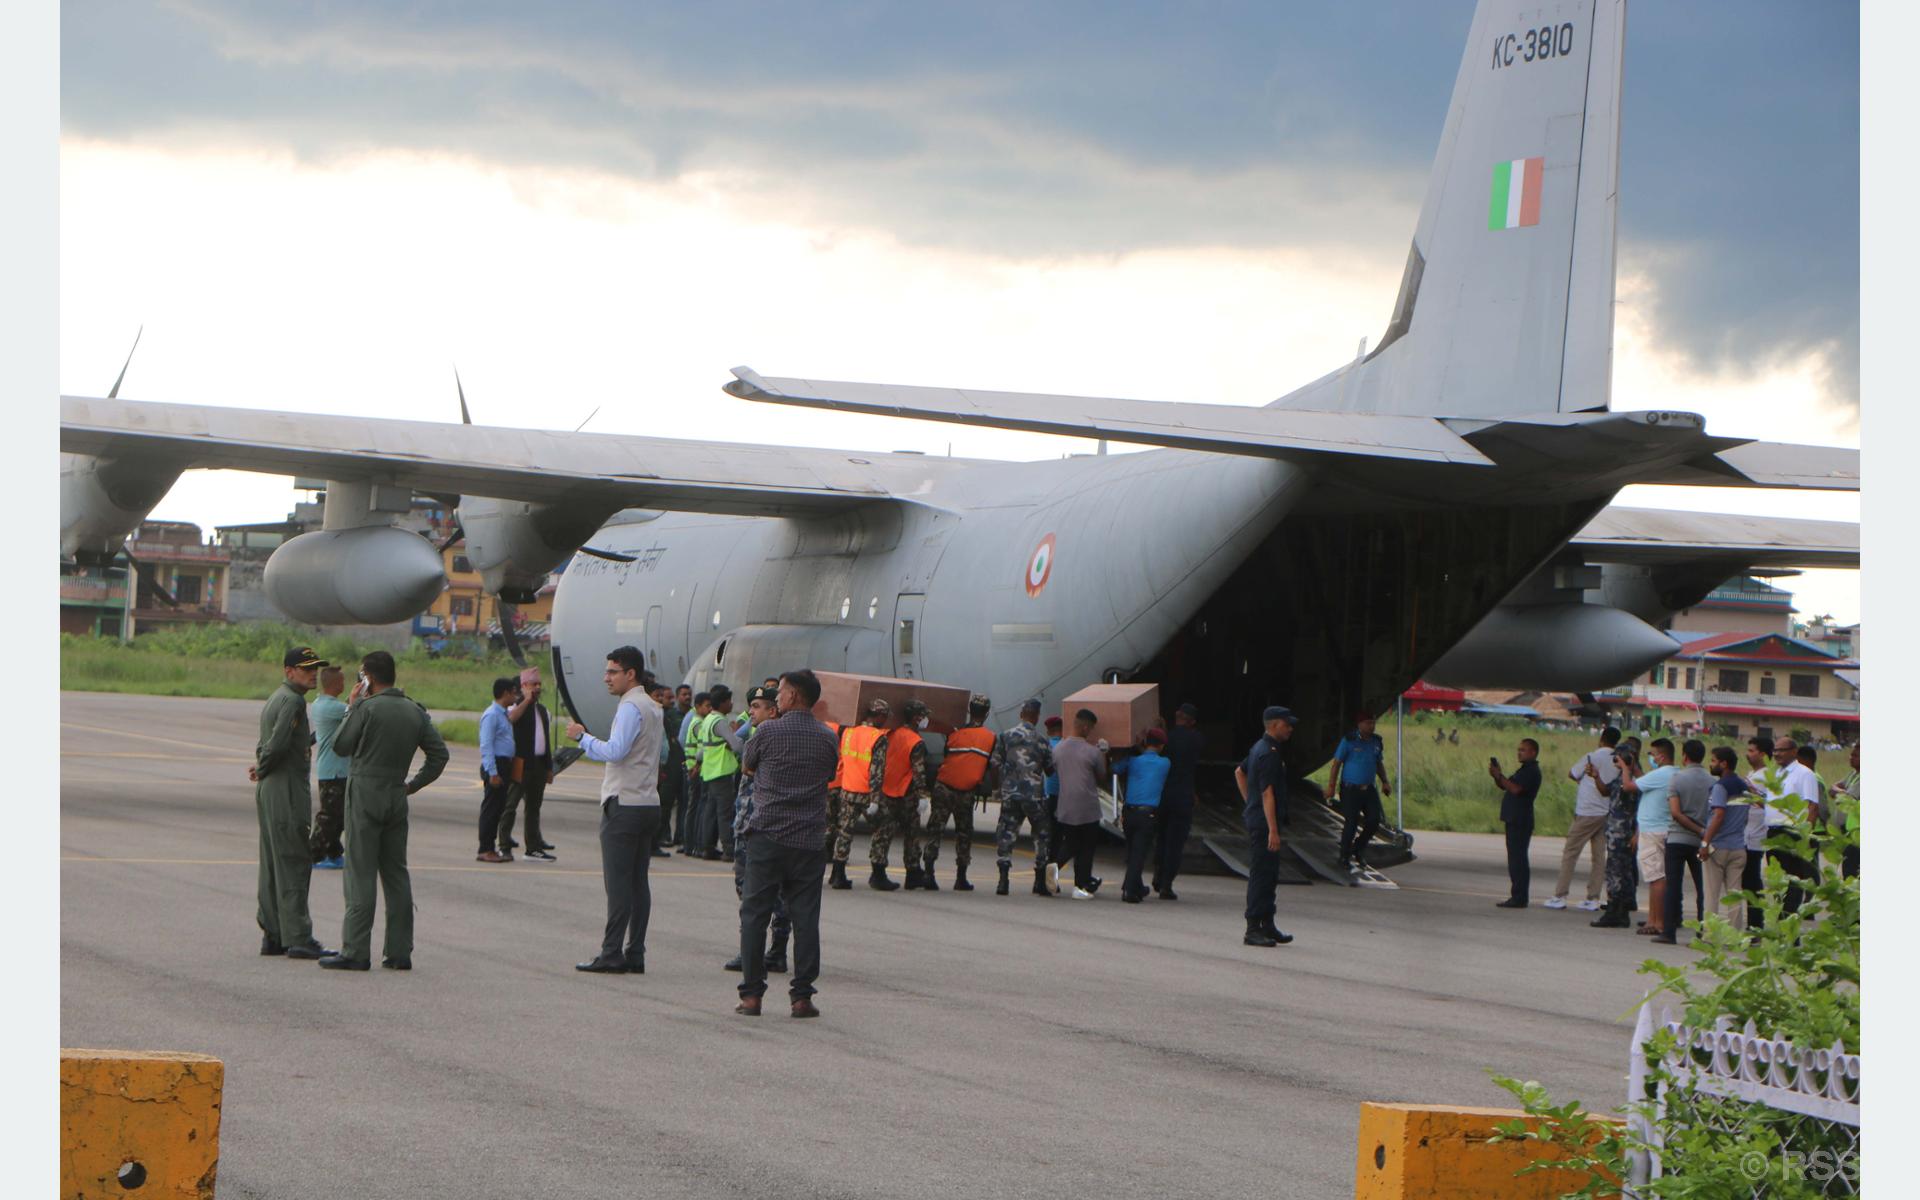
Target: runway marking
x,y
488,868
145,737
200,758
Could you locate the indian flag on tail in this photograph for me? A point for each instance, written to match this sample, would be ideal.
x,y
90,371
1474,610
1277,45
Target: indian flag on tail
x,y
1516,193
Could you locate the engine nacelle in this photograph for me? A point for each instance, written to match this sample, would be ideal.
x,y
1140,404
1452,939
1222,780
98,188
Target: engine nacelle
x,y
373,575
515,545
1553,648
102,500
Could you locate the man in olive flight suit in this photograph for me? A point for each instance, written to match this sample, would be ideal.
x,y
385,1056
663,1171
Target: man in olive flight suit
x,y
283,800
382,730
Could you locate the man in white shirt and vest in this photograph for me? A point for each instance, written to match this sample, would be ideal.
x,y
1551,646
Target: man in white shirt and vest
x,y
629,811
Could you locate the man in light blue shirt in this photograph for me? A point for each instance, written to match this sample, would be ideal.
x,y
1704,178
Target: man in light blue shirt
x,y
1357,762
327,712
496,762
1146,776
1654,819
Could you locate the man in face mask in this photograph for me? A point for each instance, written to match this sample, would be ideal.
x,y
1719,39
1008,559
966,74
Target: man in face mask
x,y
896,780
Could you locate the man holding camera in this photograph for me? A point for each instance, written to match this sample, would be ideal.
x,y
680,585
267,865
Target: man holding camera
x,y
1517,793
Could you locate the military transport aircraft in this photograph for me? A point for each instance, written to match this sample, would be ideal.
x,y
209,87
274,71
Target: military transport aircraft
x,y
1437,505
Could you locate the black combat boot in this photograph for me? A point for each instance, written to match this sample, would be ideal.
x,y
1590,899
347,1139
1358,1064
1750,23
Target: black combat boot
x,y
960,883
1614,916
1257,935
1002,889
1040,887
777,955
838,880
1280,936
927,880
916,879
879,882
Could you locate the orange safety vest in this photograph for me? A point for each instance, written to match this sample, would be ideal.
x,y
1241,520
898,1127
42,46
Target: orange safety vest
x,y
856,758
899,772
967,753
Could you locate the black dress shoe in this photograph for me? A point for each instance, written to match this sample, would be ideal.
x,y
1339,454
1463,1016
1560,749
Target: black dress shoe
x,y
1166,893
397,964
1511,904
1665,939
603,966
659,853
270,948
776,964
733,964
338,962
636,963
312,949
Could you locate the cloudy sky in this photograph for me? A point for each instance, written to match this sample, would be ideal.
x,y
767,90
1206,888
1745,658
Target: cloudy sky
x,y
325,207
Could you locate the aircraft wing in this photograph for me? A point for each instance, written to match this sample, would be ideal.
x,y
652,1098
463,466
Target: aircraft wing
x,y
1220,428
513,464
1657,537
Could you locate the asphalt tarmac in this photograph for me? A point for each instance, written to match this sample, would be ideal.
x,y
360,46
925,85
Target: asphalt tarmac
x,y
999,1046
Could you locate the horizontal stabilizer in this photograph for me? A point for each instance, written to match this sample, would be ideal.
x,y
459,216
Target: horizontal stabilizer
x,y
1654,537
1773,465
1219,428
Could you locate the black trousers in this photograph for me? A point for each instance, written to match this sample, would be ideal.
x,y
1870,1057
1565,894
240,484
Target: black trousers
x,y
1263,871
780,875
1074,843
493,802
1361,803
1796,867
626,851
1752,879
527,794
1139,821
1519,870
696,813
1176,822
329,820
1680,860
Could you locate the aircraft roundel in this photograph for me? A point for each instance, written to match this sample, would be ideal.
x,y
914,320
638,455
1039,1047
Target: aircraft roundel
x,y
1040,566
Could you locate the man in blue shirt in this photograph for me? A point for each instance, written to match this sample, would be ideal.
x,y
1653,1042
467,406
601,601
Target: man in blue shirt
x,y
1146,776
1184,748
1517,793
1654,818
1262,779
1052,790
496,763
327,711
1726,836
1360,757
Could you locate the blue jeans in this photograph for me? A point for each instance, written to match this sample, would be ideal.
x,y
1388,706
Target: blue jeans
x,y
1263,871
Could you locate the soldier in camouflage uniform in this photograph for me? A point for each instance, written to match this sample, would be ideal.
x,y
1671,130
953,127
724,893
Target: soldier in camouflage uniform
x,y
965,778
845,805
1621,880
898,806
1022,760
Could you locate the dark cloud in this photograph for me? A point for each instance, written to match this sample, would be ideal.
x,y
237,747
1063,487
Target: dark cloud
x,y
1061,128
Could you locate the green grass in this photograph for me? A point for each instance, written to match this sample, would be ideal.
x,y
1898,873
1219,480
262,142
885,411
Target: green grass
x,y
1447,787
242,662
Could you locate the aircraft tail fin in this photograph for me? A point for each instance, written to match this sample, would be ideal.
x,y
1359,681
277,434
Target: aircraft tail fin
x,y
1506,304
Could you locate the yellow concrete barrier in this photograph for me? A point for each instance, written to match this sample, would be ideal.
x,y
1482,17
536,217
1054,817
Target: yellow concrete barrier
x,y
1438,1153
139,1123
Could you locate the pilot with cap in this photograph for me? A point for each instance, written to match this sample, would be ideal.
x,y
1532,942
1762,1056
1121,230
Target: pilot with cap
x,y
962,780
1262,779
283,802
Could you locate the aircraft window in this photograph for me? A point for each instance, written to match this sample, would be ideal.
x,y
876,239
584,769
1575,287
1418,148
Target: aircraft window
x,y
716,618
906,637
846,606
873,608
720,654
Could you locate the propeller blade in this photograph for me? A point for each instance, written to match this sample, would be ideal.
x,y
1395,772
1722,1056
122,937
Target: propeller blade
x,y
466,418
114,392
458,533
507,634
609,555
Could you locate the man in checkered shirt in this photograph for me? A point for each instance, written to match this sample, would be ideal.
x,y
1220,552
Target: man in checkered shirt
x,y
792,759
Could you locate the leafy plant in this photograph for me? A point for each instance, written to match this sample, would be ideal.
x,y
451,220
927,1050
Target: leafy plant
x,y
1796,977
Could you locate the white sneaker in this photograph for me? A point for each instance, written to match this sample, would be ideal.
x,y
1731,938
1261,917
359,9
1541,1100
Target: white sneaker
x,y
1080,895
1591,905
1557,902
1053,878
